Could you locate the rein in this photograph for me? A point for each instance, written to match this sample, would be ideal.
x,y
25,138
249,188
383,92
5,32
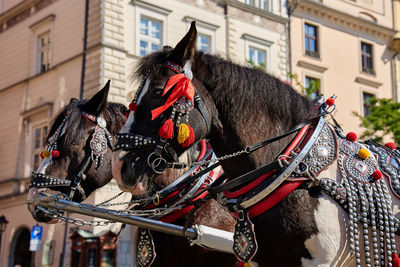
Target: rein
x,y
100,139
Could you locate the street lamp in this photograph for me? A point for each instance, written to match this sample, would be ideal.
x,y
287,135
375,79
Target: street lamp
x,y
3,225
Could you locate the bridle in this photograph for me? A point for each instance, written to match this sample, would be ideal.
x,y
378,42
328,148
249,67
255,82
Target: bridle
x,y
181,106
95,147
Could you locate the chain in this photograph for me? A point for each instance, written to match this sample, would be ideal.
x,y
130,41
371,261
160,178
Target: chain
x,y
235,154
152,213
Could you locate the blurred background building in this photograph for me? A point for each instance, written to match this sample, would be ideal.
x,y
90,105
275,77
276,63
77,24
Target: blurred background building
x,y
53,50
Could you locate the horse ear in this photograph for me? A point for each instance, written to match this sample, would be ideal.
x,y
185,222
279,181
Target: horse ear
x,y
98,102
185,49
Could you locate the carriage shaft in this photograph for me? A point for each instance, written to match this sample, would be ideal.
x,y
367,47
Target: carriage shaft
x,y
154,225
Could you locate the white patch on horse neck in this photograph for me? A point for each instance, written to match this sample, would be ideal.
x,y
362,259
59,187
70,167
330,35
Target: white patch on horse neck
x,y
131,119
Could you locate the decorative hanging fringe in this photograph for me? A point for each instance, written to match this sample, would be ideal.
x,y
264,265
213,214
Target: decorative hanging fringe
x,y
183,133
190,139
167,130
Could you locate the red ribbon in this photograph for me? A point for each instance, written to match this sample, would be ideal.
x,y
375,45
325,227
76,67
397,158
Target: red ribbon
x,y
183,86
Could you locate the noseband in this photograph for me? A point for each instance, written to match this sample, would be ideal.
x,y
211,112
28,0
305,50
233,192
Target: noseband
x,y
183,99
100,139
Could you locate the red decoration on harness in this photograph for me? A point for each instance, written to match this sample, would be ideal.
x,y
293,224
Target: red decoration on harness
x,y
167,129
351,136
133,106
190,139
55,153
330,101
390,145
127,114
395,260
377,175
183,86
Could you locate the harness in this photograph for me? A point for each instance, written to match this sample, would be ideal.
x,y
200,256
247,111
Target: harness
x,y
178,199
314,148
95,148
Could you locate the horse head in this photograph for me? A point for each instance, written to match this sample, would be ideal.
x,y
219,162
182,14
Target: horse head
x,y
78,156
168,118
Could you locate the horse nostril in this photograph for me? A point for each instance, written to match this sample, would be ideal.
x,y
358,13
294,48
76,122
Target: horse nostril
x,y
40,216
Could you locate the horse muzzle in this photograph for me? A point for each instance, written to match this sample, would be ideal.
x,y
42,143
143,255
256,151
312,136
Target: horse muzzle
x,y
37,214
128,171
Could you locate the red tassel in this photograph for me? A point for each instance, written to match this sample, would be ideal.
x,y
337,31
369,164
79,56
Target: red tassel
x,y
395,260
190,139
55,153
167,130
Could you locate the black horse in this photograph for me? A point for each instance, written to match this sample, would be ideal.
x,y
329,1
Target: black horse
x,y
74,160
189,95
71,158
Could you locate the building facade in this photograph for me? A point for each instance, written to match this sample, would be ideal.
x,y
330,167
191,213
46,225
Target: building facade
x,y
345,46
47,59
395,47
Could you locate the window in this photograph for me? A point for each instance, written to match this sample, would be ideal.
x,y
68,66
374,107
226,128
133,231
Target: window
x,y
206,34
312,87
42,44
151,27
43,52
367,103
257,57
366,58
150,35
39,140
257,51
204,42
265,4
311,40
249,2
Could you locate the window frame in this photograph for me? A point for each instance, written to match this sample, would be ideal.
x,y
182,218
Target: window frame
x,y
366,69
148,38
316,38
42,141
150,12
319,90
33,118
363,104
44,26
261,44
203,28
269,5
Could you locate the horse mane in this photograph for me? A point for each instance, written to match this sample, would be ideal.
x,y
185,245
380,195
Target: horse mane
x,y
116,113
242,89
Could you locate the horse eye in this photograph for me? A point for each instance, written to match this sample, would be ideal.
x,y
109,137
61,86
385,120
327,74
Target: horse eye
x,y
157,91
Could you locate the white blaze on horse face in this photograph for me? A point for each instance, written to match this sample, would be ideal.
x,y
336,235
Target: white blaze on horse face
x,y
131,119
118,155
